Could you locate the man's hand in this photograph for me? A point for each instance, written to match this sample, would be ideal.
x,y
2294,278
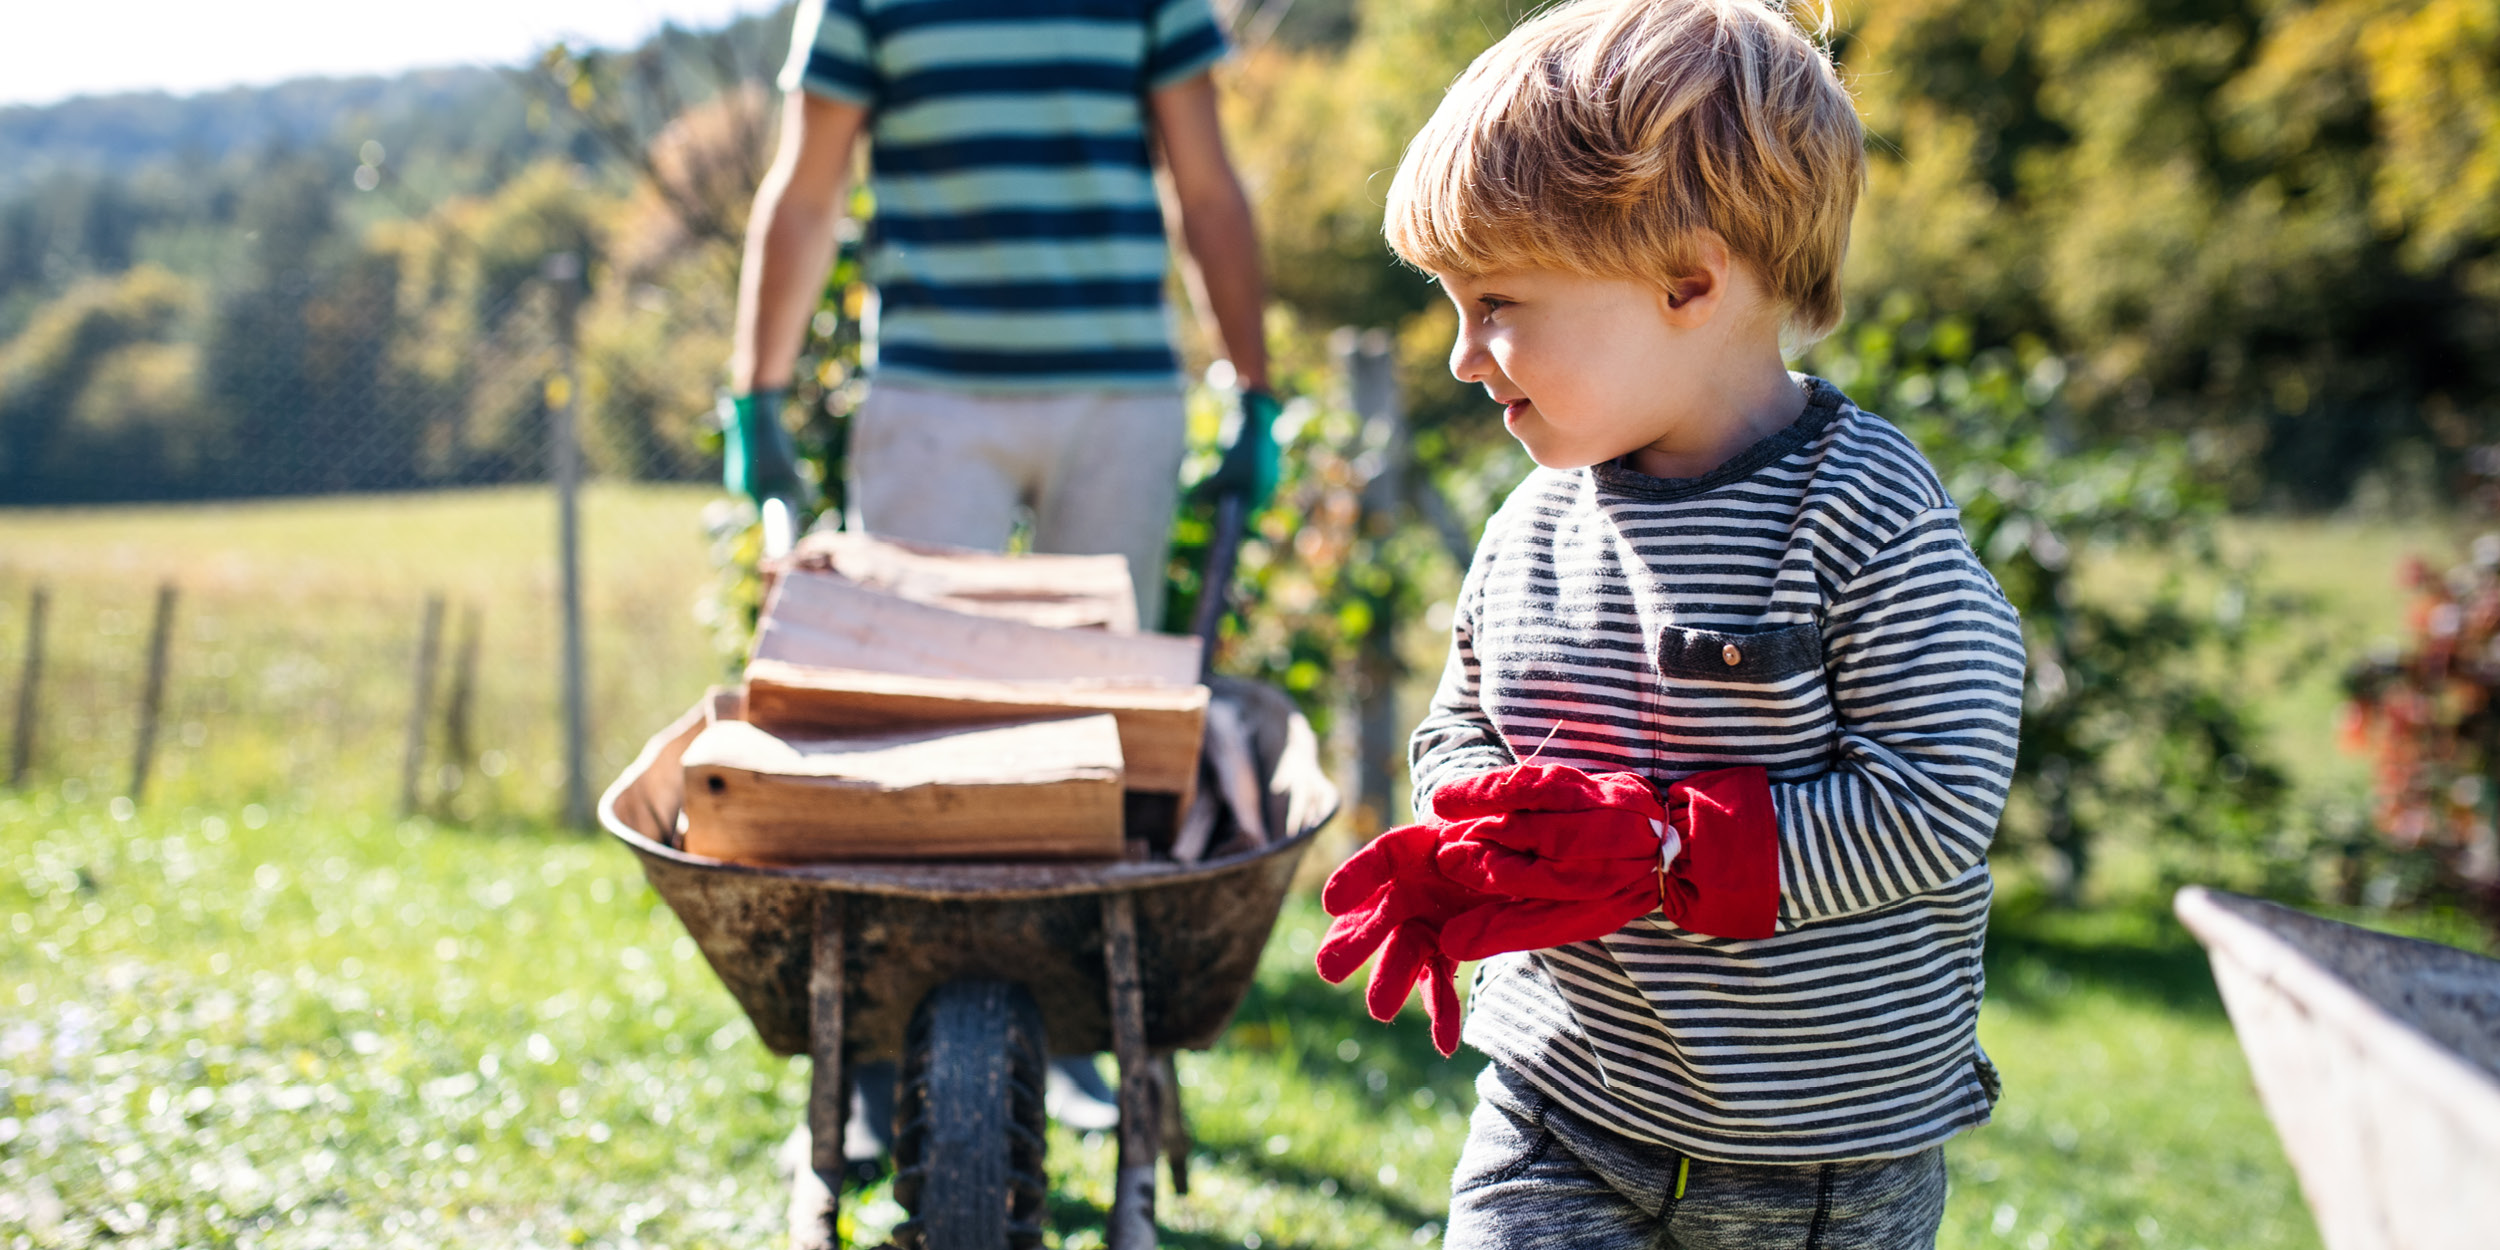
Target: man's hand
x,y
1249,467
757,458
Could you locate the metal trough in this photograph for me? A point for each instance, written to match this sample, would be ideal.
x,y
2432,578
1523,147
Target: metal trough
x,y
2378,1059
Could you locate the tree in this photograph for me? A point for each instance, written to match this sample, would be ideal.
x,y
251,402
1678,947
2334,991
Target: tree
x,y
2235,217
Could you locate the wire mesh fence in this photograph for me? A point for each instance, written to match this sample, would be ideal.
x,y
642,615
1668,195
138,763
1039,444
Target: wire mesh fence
x,y
299,664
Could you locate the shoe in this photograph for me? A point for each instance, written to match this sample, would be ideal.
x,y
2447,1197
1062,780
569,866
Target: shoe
x,y
1077,1096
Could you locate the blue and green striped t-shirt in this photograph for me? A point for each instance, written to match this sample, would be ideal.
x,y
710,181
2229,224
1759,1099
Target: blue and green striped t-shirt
x,y
1017,243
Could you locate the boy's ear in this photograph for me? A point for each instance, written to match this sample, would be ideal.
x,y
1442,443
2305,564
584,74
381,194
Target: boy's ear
x,y
1692,298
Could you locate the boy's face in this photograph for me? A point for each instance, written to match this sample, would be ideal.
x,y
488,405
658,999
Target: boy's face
x,y
1589,369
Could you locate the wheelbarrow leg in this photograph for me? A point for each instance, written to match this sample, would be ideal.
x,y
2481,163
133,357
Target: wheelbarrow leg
x,y
1176,1141
1141,1113
816,1189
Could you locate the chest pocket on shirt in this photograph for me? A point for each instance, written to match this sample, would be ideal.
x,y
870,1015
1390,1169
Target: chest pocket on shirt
x,y
1756,697
1715,655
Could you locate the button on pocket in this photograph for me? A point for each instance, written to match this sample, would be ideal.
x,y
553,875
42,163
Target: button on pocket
x,y
1724,655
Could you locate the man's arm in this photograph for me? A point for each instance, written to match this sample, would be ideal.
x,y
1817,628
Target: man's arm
x,y
790,236
1217,235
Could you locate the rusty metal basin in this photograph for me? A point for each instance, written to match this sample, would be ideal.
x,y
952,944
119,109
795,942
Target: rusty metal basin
x,y
915,926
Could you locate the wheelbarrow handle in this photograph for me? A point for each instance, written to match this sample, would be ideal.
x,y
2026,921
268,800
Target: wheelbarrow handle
x,y
1230,519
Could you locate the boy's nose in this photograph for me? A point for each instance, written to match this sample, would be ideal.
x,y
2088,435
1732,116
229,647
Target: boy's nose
x,y
1469,360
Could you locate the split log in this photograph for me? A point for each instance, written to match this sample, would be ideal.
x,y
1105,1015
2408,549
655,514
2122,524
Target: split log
x,y
824,621
1231,758
1045,789
1197,828
1057,591
1159,726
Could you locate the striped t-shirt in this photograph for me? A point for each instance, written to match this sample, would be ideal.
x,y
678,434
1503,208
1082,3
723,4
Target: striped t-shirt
x,y
1876,674
1017,243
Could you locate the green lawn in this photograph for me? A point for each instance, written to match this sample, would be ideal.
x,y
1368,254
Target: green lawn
x,y
296,633
235,1027
260,1010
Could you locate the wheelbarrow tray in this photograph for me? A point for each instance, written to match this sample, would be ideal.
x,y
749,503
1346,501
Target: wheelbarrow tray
x,y
914,926
2378,1059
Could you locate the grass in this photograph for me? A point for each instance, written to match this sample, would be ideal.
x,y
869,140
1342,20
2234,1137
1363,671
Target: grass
x,y
255,1029
273,1030
257,1010
295,640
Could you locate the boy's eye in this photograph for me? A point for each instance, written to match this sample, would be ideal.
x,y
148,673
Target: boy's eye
x,y
1491,303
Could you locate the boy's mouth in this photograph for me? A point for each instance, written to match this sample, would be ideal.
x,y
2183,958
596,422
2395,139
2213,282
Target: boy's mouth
x,y
1513,410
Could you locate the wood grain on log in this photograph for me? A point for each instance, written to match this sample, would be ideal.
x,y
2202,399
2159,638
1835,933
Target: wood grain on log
x,y
1159,725
826,621
1057,591
1029,789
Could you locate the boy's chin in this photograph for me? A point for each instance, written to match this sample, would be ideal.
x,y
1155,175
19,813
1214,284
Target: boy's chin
x,y
1563,459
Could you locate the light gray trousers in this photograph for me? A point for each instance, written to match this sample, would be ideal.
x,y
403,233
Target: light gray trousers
x,y
1536,1176
1099,469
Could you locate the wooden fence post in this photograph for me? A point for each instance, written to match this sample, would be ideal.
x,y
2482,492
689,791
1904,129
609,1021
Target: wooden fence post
x,y
29,677
420,703
459,738
152,697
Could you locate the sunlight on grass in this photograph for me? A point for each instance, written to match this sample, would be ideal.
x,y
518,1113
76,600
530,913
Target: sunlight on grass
x,y
296,635
247,1029
255,1012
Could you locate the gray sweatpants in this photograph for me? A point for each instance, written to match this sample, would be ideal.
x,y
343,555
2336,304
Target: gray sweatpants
x,y
1099,469
1537,1176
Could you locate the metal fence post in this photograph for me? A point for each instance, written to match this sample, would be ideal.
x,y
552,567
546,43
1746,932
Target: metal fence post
x,y
563,272
1367,364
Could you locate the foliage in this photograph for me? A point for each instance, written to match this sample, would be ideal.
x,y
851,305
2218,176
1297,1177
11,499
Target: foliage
x,y
2136,718
101,383
2430,715
2268,223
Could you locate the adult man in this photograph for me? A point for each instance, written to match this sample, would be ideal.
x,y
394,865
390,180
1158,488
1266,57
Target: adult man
x,y
1022,356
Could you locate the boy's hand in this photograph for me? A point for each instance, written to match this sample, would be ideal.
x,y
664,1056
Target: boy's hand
x,y
1584,854
1727,881
1578,854
1391,897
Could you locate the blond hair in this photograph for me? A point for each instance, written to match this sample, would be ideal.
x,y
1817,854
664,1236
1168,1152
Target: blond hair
x,y
1601,136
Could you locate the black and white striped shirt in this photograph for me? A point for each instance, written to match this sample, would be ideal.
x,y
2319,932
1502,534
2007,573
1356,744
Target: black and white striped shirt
x,y
1812,606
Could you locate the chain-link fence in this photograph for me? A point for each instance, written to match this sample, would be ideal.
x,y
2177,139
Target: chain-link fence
x,y
388,621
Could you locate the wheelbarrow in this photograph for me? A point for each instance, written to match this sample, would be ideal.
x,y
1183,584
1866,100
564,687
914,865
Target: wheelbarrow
x,y
972,974
2378,1059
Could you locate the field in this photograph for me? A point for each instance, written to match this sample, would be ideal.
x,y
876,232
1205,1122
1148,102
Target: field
x,y
261,1008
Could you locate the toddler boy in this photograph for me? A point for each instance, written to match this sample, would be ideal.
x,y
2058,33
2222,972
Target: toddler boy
x,y
1730,583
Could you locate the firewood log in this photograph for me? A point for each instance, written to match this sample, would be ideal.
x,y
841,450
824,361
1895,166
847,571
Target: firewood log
x,y
1026,789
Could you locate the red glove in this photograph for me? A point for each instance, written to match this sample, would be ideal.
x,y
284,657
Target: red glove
x,y
1579,854
1390,897
1586,854
1727,881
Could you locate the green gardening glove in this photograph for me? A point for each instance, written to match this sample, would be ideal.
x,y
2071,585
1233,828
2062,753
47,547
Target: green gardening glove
x,y
1248,469
757,458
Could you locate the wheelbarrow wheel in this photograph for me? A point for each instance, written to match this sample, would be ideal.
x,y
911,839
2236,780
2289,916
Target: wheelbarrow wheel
x,y
969,1124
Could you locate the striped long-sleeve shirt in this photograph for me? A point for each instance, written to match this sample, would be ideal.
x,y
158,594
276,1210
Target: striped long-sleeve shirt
x,y
1812,607
1018,242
